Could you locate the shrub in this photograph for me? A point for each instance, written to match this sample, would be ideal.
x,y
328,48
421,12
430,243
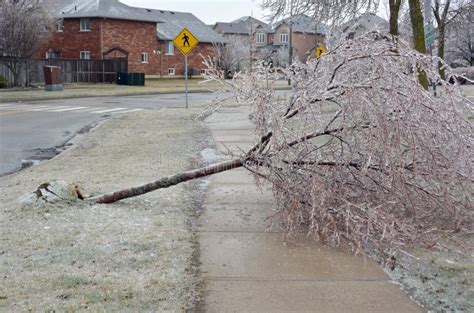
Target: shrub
x,y
3,82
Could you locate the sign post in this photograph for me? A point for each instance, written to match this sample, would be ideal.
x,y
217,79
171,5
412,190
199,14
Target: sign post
x,y
186,79
185,42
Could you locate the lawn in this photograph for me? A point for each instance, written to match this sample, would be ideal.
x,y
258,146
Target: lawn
x,y
152,86
468,90
134,256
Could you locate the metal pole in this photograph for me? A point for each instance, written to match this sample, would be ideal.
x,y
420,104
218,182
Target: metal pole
x,y
186,78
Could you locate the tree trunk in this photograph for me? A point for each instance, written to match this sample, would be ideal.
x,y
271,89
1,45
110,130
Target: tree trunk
x,y
394,12
416,18
441,42
168,181
442,20
15,67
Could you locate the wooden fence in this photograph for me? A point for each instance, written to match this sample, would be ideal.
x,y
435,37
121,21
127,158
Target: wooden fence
x,y
74,71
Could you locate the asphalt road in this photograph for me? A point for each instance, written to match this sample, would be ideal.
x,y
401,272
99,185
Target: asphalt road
x,y
38,130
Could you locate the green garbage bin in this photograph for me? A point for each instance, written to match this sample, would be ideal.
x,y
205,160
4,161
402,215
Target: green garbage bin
x,y
131,79
122,78
136,79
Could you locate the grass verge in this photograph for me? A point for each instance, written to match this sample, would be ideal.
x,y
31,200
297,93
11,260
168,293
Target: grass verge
x,y
136,255
152,86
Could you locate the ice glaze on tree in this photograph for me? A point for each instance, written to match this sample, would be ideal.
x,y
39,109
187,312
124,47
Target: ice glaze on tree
x,y
360,152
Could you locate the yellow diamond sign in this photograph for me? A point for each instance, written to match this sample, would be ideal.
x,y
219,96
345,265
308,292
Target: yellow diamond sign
x,y
321,50
185,41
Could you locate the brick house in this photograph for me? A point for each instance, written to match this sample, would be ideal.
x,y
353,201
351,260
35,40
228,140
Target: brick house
x,y
305,32
268,39
108,29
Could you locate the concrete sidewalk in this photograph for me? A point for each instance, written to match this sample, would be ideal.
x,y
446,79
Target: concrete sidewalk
x,y
248,269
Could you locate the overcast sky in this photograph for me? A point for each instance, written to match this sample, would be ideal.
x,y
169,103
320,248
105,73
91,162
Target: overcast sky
x,y
209,11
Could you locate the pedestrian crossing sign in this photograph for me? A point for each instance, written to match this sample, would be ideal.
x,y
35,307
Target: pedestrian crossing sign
x,y
185,41
320,50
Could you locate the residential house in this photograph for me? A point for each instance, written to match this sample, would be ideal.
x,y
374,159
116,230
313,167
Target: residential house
x,y
248,30
242,47
306,35
363,24
108,29
268,39
244,26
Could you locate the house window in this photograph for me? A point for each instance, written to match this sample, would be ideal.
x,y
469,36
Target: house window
x,y
203,71
261,38
171,71
284,38
53,54
144,57
85,55
169,47
85,25
60,25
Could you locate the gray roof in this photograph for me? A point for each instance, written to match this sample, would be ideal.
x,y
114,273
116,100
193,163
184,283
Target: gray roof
x,y
248,20
301,24
367,22
99,8
170,23
174,22
233,28
242,26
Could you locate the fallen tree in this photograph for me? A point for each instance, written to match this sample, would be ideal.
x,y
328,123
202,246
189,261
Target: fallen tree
x,y
166,182
360,152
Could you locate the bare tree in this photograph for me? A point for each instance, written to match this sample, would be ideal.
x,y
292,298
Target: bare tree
x,y
394,7
405,30
281,57
234,56
460,38
417,24
360,152
23,28
418,29
445,12
337,12
332,12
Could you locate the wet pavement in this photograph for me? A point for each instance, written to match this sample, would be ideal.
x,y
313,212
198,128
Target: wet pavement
x,y
28,126
45,126
250,267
